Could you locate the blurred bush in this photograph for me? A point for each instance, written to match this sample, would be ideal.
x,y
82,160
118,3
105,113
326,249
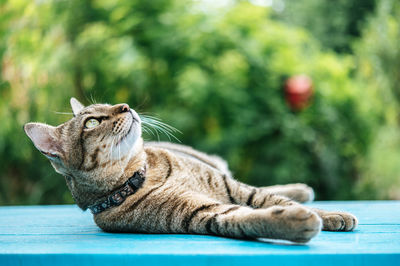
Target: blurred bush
x,y
216,74
336,24
378,63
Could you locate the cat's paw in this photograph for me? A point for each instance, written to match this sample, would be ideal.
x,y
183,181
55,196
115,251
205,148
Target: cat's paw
x,y
302,193
298,192
297,223
339,221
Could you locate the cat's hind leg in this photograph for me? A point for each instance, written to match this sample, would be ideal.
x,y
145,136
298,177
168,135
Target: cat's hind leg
x,y
239,193
295,223
297,192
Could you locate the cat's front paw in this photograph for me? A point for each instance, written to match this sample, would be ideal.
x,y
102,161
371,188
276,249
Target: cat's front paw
x,y
297,223
339,221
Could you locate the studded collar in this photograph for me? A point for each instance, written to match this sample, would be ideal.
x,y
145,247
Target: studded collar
x,y
118,196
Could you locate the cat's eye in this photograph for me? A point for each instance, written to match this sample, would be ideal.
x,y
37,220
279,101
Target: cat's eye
x,y
91,123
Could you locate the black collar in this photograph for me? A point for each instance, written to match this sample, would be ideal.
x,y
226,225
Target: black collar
x,y
118,196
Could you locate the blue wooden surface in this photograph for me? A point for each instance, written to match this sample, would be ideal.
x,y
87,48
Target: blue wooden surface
x,y
64,235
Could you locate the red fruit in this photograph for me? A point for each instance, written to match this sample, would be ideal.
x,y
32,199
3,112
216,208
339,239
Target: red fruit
x,y
298,91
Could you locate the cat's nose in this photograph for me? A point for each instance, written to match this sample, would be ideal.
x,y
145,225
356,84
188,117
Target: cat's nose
x,y
124,108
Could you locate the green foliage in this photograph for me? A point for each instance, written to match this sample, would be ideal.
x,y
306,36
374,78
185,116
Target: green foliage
x,y
215,74
378,62
336,24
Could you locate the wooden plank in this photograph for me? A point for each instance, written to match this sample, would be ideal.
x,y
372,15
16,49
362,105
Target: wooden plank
x,y
64,235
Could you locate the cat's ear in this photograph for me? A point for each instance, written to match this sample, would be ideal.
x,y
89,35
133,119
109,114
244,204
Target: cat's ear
x,y
76,106
44,138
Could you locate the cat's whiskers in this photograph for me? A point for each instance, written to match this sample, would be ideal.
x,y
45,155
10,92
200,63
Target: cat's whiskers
x,y
145,130
63,113
93,99
158,126
149,129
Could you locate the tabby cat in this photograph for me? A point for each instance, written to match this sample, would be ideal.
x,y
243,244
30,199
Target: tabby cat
x,y
160,187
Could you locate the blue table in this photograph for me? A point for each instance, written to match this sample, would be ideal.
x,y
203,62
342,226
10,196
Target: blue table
x,y
64,235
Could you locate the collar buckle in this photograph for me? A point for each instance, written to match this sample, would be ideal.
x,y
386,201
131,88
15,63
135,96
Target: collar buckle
x,y
116,198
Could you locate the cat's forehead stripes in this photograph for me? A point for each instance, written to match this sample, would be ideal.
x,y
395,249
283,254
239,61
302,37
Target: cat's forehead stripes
x,y
96,109
102,109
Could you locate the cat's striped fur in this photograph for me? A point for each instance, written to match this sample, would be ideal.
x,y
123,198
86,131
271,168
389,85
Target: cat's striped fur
x,y
185,191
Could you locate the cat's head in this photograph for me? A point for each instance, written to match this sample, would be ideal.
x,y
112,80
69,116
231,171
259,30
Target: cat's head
x,y
93,149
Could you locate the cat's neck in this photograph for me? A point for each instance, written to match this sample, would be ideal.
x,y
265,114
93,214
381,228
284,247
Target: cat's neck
x,y
88,194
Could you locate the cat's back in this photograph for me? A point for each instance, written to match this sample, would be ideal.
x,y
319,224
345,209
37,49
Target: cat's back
x,y
190,155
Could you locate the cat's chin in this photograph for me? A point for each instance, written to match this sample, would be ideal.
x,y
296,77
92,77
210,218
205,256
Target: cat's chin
x,y
135,116
129,144
134,139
